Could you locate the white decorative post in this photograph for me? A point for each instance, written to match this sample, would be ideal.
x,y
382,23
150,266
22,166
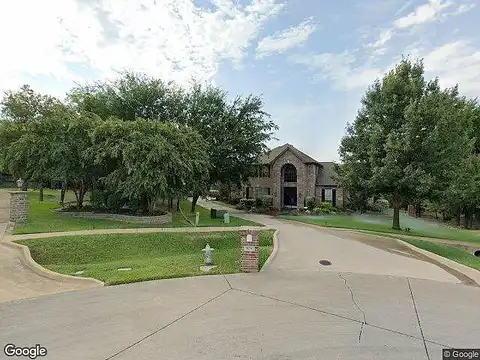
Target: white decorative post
x,y
197,218
226,218
208,255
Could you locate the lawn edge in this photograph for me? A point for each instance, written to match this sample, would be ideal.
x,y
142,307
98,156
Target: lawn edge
x,y
379,232
27,260
274,251
464,269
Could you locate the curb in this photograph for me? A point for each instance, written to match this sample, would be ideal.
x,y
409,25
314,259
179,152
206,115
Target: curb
x,y
27,260
274,251
465,270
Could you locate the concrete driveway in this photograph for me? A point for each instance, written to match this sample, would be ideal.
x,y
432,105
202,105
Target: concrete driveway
x,y
17,280
375,301
316,315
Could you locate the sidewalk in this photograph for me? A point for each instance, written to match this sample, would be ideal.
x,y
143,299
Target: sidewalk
x,y
132,231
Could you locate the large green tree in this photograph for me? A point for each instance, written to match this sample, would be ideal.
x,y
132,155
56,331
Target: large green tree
x,y
19,110
235,131
152,160
130,96
407,135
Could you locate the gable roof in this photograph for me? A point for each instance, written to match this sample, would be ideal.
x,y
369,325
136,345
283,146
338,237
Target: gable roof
x,y
325,177
274,153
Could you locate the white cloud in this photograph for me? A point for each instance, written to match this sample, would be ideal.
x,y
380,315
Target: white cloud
x,y
385,36
403,8
424,13
433,10
286,39
339,69
464,8
172,39
455,62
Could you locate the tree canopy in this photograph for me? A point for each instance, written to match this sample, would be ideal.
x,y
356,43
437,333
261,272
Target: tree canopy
x,y
409,141
133,140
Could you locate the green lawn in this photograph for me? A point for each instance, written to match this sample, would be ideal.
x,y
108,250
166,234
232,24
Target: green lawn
x,y
383,224
447,251
42,217
151,256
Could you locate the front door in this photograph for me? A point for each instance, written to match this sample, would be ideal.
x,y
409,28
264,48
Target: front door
x,y
289,196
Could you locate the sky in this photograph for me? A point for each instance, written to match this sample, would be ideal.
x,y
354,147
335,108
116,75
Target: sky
x,y
310,60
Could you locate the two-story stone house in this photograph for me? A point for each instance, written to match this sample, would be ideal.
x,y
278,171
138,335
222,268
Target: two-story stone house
x,y
292,176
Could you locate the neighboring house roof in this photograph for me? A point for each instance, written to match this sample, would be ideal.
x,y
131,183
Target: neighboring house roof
x,y
274,153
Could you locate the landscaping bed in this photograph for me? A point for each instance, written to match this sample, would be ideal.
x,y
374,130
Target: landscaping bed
x,y
127,216
42,217
150,256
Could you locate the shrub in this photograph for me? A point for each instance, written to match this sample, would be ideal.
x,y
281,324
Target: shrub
x,y
214,193
311,203
324,208
98,199
267,201
234,201
379,206
246,204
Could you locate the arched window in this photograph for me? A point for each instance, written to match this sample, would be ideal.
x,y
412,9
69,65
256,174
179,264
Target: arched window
x,y
289,173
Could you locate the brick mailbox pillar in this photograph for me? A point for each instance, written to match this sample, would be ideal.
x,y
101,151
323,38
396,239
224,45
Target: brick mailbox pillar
x,y
250,251
18,206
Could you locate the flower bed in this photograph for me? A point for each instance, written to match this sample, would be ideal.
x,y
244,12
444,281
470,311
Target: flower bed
x,y
159,219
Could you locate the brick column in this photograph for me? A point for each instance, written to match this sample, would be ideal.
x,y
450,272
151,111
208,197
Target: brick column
x,y
250,251
18,206
411,210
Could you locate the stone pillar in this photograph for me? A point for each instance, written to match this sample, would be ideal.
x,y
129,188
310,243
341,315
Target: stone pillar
x,y
411,210
18,206
250,251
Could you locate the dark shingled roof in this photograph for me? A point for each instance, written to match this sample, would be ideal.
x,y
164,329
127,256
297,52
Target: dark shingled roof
x,y
325,176
274,153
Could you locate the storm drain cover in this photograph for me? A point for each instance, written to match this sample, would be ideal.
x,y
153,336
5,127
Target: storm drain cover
x,y
325,262
124,269
476,252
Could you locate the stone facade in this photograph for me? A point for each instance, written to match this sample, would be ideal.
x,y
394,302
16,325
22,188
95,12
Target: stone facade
x,y
312,177
18,206
162,219
250,252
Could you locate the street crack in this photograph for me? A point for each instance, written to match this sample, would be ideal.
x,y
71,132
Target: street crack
x,y
355,303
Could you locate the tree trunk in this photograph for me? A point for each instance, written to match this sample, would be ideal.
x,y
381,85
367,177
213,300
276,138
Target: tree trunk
x,y
178,204
396,214
396,218
466,213
170,204
458,217
62,192
144,204
229,193
40,197
194,201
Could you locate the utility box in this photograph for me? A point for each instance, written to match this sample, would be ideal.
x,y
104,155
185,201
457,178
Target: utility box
x,y
221,214
213,213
